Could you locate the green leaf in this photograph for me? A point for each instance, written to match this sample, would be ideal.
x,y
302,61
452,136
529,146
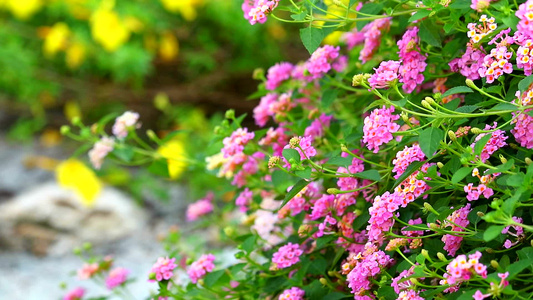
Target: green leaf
x,y
429,140
340,161
317,267
461,173
159,167
413,167
480,144
249,244
299,17
311,38
501,168
467,108
281,181
457,90
429,33
517,267
305,173
524,84
294,191
492,232
291,154
503,106
419,15
337,296
211,279
124,153
370,175
328,97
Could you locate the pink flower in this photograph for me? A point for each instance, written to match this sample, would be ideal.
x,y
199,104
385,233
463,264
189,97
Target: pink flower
x,y
406,157
480,5
525,14
318,126
235,143
293,293
75,294
409,295
320,62
163,268
462,269
277,74
368,266
256,11
381,215
275,138
496,141
200,208
372,33
87,271
303,146
116,277
124,122
469,64
287,256
458,218
384,75
262,111
100,151
523,128
201,267
413,63
379,127
244,199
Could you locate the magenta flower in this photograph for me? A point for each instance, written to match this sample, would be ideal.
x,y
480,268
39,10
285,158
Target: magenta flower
x,y
75,294
462,269
406,157
294,293
413,62
262,112
379,127
318,126
235,143
496,141
244,199
372,33
287,256
163,268
458,218
256,11
525,14
321,61
385,74
367,267
277,74
200,208
201,267
87,271
116,277
469,64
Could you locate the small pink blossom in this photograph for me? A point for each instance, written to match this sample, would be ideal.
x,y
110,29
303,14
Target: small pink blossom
x,y
87,271
287,256
321,61
293,293
75,294
277,74
496,141
379,127
116,277
200,208
100,151
235,143
244,199
124,122
163,268
384,75
201,267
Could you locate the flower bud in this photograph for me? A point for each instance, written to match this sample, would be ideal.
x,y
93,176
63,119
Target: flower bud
x,y
323,281
304,230
239,255
430,100
76,121
333,191
440,165
433,226
437,96
258,74
294,142
502,159
426,104
273,161
87,246
514,146
452,136
201,282
77,251
161,101
494,264
441,256
475,130
344,148
489,250
528,161
229,231
151,276
337,2
413,281
480,214
217,130
405,117
152,135
65,129
357,80
470,83
230,114
425,253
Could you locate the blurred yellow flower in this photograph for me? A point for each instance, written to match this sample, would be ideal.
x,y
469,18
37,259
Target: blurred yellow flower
x,y
24,9
174,152
108,30
333,38
75,55
56,39
75,175
187,8
168,46
72,110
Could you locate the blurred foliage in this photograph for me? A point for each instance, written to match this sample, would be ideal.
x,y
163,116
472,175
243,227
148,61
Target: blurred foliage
x,y
54,51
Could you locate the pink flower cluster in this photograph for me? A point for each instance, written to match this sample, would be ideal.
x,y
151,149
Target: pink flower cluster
x,y
381,214
379,127
287,256
75,294
476,32
401,282
321,61
372,35
235,143
496,63
456,220
523,128
409,295
469,64
496,141
474,192
277,74
116,277
293,293
462,269
524,56
87,271
525,14
318,126
304,147
201,267
256,11
272,105
123,123
162,269
200,208
413,62
100,151
406,157
369,265
275,138
478,295
244,199
384,75
518,233
480,5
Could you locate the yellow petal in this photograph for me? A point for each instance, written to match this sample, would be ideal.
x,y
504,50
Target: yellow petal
x,y
174,152
169,47
75,175
24,9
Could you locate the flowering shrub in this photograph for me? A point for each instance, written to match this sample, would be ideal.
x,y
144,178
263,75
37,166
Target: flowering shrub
x,y
394,164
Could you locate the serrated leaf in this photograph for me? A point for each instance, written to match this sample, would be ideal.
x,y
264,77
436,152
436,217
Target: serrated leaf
x,y
429,140
291,154
457,90
461,173
311,38
305,173
419,15
294,191
503,106
492,232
